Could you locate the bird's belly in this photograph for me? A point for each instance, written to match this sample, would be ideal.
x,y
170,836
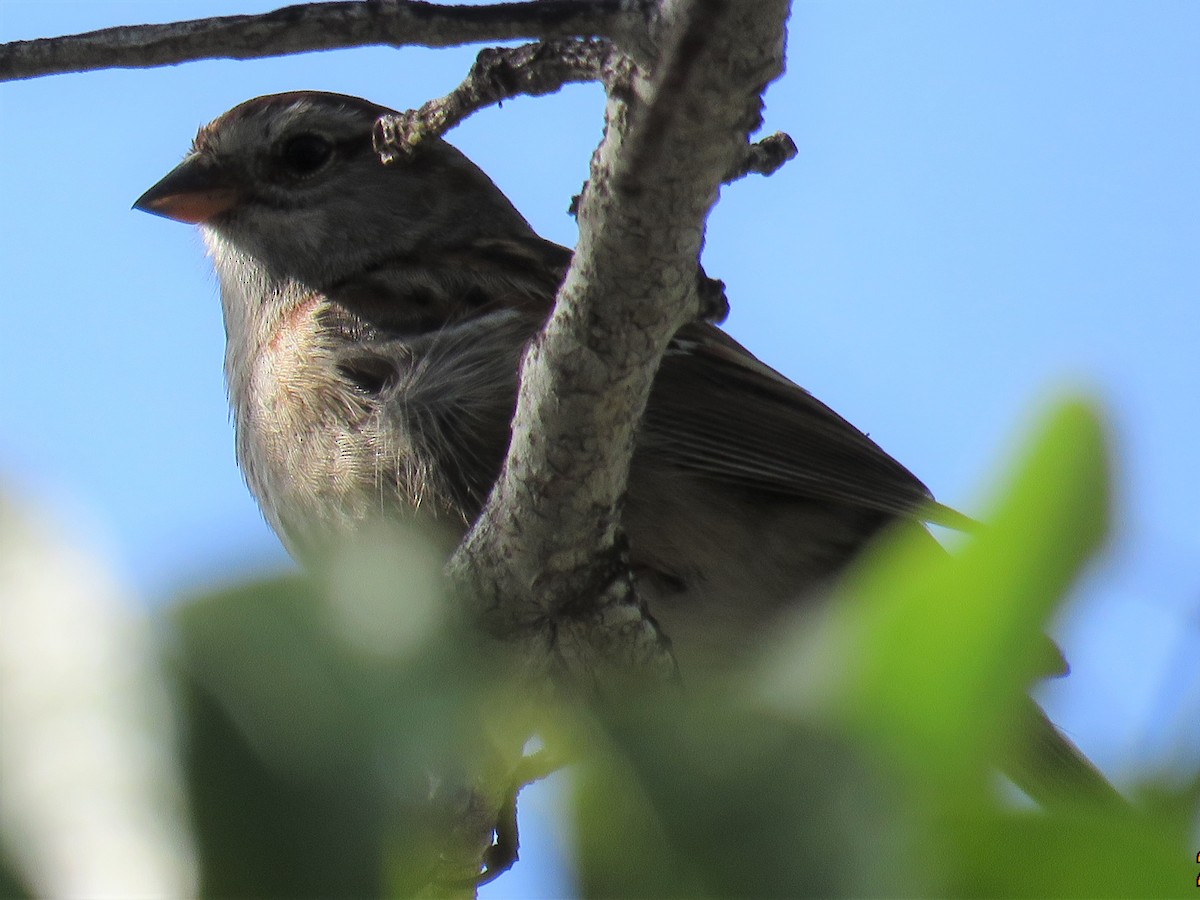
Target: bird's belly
x,y
320,465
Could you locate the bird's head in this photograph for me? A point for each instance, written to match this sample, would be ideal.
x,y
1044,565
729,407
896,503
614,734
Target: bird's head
x,y
292,181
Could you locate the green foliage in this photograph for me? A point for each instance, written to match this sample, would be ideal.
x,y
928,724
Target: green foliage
x,y
12,886
858,756
713,799
317,709
861,758
926,655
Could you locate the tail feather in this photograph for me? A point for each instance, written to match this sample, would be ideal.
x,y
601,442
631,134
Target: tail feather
x,y
1048,767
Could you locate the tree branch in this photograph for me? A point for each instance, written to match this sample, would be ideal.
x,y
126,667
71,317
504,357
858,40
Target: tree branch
x,y
500,73
545,560
324,26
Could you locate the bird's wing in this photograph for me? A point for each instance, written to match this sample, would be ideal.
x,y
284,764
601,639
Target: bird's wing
x,y
714,409
434,341
719,412
434,288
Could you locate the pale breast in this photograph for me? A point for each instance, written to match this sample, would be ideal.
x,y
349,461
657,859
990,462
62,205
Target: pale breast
x,y
309,440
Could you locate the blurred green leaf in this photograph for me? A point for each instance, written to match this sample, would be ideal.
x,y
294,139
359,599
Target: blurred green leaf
x,y
266,833
705,798
318,711
12,885
858,762
1077,854
928,654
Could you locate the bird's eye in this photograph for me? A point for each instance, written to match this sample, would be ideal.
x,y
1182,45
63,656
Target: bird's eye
x,y
303,154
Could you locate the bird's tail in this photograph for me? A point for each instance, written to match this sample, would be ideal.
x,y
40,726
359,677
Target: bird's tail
x,y
1048,767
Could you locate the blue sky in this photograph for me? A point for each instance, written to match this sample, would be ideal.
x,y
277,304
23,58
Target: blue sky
x,y
995,204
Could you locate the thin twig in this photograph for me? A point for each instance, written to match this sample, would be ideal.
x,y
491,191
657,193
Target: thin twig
x,y
499,73
764,157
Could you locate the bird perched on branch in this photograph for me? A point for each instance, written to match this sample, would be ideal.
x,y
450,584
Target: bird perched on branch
x,y
377,316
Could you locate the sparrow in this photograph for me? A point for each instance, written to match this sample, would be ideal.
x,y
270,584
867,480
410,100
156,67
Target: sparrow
x,y
376,317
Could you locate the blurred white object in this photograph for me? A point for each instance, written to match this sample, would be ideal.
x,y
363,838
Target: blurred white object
x,y
91,803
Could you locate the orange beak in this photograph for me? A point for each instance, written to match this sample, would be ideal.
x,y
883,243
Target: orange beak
x,y
194,191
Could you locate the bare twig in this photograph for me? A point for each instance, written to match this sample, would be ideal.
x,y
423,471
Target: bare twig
x,y
765,157
323,26
498,74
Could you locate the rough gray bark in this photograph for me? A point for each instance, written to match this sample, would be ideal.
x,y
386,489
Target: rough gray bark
x,y
674,133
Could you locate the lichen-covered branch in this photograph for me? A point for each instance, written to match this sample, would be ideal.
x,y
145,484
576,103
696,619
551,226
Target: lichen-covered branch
x,y
322,26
